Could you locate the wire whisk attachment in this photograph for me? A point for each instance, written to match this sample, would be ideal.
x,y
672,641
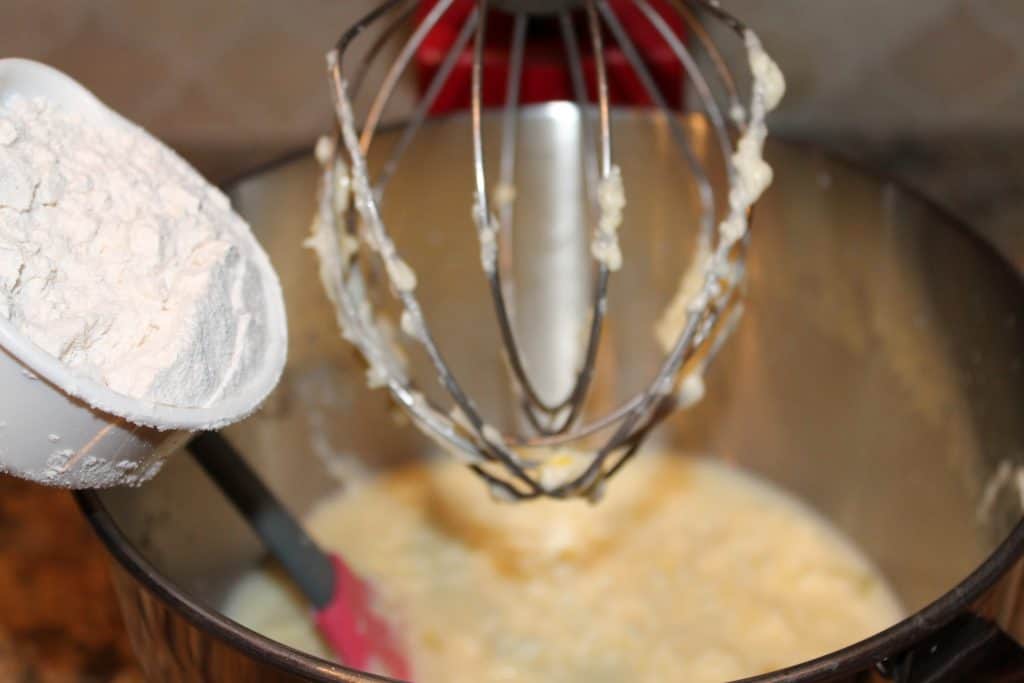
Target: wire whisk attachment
x,y
562,451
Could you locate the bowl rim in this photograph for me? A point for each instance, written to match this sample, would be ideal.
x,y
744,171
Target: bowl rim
x,y
858,656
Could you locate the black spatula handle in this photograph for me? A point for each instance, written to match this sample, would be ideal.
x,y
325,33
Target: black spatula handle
x,y
307,565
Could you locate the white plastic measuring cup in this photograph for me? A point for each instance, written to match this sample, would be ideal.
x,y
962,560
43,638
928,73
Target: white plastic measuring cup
x,y
61,429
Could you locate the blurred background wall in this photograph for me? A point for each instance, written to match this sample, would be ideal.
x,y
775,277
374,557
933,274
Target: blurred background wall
x,y
910,67
930,90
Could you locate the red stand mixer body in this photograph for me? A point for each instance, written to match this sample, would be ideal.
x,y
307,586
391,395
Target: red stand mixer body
x,y
545,71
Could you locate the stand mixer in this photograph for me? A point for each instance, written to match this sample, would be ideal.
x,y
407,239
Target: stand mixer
x,y
557,448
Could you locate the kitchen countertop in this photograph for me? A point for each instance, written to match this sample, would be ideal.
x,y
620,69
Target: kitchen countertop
x,y
59,621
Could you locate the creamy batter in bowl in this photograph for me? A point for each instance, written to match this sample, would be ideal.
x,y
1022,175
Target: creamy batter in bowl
x,y
689,571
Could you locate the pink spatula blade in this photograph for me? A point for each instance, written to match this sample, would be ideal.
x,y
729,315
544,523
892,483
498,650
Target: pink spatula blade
x,y
355,631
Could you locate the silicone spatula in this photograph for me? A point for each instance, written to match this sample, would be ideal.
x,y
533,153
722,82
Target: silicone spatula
x,y
343,602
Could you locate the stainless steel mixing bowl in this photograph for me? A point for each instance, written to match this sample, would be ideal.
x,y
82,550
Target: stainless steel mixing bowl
x,y
878,375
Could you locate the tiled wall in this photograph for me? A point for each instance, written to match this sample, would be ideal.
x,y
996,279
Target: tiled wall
x,y
233,81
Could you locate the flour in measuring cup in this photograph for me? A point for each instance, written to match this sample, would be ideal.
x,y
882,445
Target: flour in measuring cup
x,y
121,261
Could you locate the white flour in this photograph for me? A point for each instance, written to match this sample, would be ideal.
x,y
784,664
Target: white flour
x,y
118,259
